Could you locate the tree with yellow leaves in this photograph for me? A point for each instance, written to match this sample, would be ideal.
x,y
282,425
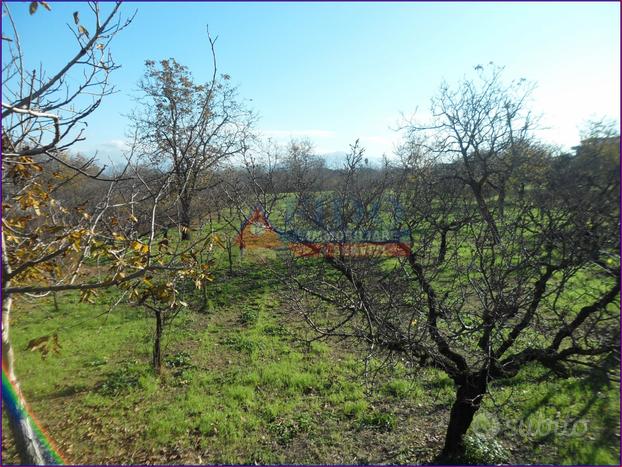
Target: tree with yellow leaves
x,y
49,245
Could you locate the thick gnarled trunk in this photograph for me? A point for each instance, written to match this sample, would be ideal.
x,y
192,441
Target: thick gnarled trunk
x,y
469,397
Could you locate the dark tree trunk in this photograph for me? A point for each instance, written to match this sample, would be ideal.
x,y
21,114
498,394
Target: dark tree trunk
x,y
157,343
469,397
184,218
485,212
501,200
442,250
230,255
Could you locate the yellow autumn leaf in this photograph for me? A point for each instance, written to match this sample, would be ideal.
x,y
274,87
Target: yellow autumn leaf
x,y
139,247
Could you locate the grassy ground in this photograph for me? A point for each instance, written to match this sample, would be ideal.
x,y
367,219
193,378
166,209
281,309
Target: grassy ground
x,y
241,386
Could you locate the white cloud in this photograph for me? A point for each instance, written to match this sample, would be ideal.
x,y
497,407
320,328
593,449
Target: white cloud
x,y
115,145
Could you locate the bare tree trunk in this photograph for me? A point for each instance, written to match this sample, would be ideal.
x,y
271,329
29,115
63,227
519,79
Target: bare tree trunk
x,y
469,397
28,447
157,343
442,250
184,218
230,255
485,212
501,199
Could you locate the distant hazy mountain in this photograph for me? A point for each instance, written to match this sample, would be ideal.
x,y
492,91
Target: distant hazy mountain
x,y
335,160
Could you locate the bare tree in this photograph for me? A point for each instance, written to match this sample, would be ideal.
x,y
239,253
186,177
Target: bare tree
x,y
483,291
484,123
258,179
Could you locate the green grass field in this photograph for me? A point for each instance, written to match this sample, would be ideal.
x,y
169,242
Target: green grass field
x,y
241,385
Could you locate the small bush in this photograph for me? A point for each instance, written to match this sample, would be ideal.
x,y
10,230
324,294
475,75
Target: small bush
x,y
484,450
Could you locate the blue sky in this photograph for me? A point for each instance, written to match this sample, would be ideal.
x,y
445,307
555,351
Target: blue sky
x,y
339,71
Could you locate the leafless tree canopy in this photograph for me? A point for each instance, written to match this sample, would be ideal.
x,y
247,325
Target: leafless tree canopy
x,y
502,233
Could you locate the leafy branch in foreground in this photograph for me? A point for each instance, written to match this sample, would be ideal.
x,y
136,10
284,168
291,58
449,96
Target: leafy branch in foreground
x,y
52,242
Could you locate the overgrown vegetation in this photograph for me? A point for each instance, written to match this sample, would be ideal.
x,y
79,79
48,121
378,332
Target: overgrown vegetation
x,y
482,327
253,392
